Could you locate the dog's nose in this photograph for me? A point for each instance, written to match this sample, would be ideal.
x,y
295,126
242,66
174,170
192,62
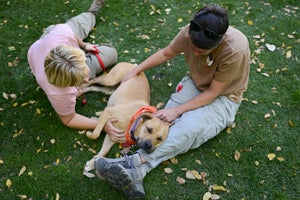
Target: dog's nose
x,y
147,146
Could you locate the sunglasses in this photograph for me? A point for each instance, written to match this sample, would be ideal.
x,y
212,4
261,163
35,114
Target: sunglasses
x,y
207,32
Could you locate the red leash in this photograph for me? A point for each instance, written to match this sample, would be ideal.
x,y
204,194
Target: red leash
x,y
100,61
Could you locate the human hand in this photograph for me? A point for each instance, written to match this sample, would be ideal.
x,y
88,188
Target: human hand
x,y
90,47
116,134
129,75
167,114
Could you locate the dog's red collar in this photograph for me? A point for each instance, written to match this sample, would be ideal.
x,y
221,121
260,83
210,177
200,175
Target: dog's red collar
x,y
130,140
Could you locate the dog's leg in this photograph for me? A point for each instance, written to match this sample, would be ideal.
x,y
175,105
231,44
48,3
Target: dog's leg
x,y
100,125
105,90
115,75
106,146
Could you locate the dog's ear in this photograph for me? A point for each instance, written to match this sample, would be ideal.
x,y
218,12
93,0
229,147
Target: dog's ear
x,y
147,116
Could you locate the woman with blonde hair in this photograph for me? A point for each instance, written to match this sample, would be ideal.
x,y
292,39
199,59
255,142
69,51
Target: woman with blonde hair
x,y
61,62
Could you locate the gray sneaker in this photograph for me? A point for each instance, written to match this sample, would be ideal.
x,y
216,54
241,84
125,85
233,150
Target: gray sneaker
x,y
129,180
96,6
102,164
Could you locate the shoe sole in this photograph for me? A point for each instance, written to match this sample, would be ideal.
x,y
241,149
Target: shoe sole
x,y
121,179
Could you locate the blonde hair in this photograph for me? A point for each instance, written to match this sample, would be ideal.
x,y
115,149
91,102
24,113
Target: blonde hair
x,y
65,66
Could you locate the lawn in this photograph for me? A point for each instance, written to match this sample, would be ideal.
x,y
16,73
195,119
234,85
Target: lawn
x,y
258,158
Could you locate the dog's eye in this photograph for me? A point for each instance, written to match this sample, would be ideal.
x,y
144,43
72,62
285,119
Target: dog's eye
x,y
159,138
150,130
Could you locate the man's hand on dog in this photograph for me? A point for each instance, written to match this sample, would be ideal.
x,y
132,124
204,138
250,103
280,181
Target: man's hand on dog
x,y
117,135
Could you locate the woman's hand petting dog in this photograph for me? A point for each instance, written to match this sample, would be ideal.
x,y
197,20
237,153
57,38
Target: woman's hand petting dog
x,y
167,114
117,135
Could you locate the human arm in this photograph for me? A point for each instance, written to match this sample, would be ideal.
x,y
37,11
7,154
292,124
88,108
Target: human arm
x,y
85,45
78,121
204,98
156,59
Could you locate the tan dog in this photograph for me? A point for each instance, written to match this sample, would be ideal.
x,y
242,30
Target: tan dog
x,y
129,104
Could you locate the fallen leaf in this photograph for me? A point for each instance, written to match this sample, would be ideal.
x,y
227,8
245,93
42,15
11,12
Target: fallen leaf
x,y
22,196
189,175
207,196
174,160
22,170
237,155
271,47
180,180
291,123
198,162
218,188
1,162
168,170
8,183
288,54
179,20
250,22
57,196
268,115
281,159
215,197
271,156
196,175
5,95
278,148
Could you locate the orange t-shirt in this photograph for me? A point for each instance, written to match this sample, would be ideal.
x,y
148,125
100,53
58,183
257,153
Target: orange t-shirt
x,y
228,62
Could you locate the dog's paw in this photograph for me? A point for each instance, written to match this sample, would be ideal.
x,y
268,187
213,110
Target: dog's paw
x,y
88,174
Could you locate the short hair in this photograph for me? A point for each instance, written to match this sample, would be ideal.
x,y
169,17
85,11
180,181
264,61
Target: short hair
x,y
65,66
208,26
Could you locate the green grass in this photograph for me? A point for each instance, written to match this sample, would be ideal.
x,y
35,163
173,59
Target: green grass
x,y
121,23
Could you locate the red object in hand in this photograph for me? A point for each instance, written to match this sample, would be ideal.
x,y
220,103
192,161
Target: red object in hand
x,y
179,87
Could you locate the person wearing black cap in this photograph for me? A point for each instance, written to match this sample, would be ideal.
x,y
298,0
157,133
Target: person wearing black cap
x,y
206,99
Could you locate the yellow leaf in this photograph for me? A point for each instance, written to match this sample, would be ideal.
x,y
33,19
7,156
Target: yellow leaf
x,y
196,175
281,159
237,155
218,188
256,163
291,124
15,104
22,170
57,196
8,183
174,160
271,156
30,173
179,20
288,54
250,22
207,196
1,162
38,111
